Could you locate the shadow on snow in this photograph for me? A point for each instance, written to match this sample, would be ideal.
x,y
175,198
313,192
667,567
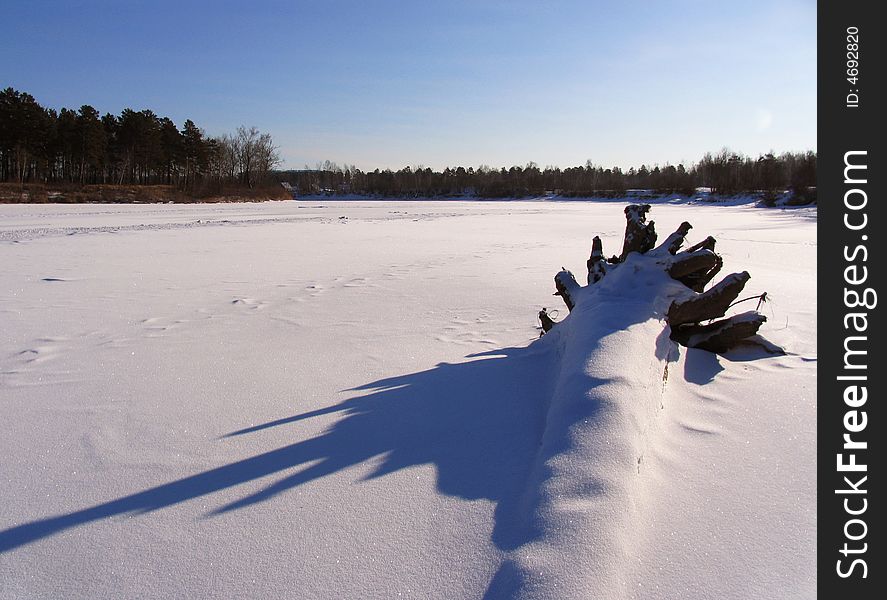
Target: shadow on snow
x,y
478,422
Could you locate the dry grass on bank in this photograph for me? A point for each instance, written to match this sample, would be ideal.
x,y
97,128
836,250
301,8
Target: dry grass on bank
x,y
12,193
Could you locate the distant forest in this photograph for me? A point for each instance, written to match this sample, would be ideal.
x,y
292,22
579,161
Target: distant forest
x,y
42,145
725,173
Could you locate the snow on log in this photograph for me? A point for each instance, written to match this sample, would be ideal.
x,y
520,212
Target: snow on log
x,y
708,243
694,267
640,236
686,264
722,335
567,286
601,417
697,281
709,305
673,243
597,266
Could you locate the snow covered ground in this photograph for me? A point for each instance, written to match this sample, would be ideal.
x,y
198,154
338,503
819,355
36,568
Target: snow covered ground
x,y
347,400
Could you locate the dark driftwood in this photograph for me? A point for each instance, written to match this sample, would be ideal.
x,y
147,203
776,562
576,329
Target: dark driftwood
x,y
698,280
640,236
674,242
695,267
546,321
686,264
708,243
722,335
566,287
597,266
709,305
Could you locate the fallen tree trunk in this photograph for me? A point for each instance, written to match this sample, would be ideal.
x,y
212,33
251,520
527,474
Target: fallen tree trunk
x,y
602,418
611,358
695,267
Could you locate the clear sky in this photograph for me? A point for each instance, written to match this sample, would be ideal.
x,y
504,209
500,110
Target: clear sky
x,y
389,84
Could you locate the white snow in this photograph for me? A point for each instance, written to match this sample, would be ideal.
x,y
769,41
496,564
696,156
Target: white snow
x,y
270,400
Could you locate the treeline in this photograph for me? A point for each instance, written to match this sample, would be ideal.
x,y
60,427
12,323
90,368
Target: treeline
x,y
726,172
42,145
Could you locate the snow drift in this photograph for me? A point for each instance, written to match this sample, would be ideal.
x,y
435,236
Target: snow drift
x,y
222,401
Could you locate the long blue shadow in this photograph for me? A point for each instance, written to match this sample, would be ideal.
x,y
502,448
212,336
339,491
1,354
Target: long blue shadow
x,y
479,422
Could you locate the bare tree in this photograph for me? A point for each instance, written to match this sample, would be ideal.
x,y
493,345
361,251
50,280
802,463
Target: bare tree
x,y
229,149
257,154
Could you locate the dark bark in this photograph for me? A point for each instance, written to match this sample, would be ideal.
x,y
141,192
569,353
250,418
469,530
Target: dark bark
x,y
566,287
708,243
722,335
597,266
545,320
695,267
686,264
640,236
709,305
673,243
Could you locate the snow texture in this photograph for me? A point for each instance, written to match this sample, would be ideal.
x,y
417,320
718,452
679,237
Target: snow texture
x,y
270,400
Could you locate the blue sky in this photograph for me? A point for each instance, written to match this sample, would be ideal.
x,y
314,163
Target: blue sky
x,y
390,84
